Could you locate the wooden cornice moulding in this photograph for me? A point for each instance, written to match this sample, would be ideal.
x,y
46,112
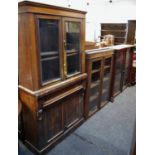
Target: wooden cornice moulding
x,y
33,7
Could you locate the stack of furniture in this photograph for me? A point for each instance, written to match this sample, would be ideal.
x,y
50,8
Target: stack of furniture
x,y
124,33
119,31
51,72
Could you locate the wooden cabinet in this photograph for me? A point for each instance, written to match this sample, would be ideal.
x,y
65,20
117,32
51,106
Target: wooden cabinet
x,y
131,32
98,68
121,68
51,72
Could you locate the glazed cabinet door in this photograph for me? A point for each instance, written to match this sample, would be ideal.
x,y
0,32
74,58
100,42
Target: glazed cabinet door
x,y
118,72
95,86
49,48
72,46
106,81
127,59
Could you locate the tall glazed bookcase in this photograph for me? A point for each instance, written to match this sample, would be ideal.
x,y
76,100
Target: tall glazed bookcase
x,y
51,72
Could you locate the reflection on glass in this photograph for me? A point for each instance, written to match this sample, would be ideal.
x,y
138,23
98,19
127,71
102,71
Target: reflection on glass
x,y
118,68
49,49
106,82
126,69
94,91
72,47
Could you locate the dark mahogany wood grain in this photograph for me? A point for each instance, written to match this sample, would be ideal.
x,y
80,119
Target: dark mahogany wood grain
x,y
50,110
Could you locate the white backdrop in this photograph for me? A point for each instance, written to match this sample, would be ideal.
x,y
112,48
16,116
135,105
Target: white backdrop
x,y
99,11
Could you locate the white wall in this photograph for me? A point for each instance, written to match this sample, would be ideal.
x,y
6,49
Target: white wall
x,y
99,11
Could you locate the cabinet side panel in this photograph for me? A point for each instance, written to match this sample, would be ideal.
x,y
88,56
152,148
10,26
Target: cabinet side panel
x,y
83,46
29,109
24,68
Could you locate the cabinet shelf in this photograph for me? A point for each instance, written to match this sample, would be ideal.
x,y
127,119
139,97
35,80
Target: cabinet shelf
x,y
49,53
49,58
71,54
71,51
106,67
114,30
105,79
93,97
95,71
104,91
94,84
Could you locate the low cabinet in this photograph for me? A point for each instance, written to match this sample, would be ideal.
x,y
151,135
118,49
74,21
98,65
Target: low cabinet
x,y
122,65
99,70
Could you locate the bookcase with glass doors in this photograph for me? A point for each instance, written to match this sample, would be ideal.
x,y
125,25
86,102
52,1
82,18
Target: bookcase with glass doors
x,y
122,64
51,72
99,70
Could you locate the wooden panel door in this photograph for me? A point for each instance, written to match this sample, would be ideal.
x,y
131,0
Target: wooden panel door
x,y
73,109
52,122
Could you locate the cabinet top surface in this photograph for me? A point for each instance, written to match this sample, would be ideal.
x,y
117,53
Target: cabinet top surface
x,y
108,49
36,4
99,50
122,46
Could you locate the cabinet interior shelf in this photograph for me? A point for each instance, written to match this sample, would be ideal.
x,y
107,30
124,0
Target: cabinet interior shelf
x,y
71,54
95,71
72,51
51,53
49,58
104,91
114,30
105,79
93,97
94,84
106,67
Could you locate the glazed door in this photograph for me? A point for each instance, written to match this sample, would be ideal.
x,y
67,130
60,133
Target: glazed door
x,y
95,86
106,81
49,48
118,72
72,46
127,59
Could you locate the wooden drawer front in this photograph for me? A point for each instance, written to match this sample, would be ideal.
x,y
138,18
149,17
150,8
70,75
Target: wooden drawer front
x,y
53,121
73,109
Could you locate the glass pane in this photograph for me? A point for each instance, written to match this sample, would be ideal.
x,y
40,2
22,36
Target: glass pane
x,y
106,83
73,63
49,69
118,72
49,49
94,92
126,70
73,47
